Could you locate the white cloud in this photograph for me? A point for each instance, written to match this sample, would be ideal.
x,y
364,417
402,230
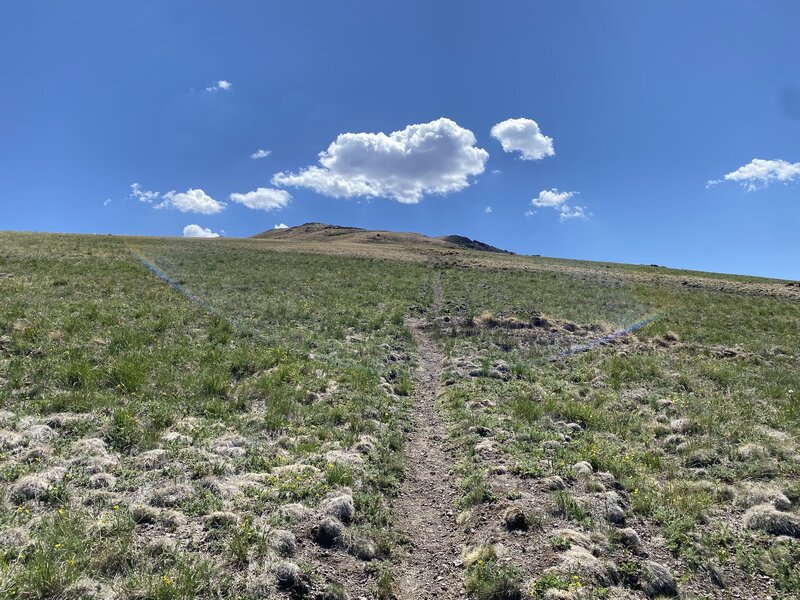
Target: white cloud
x,y
143,195
523,136
558,200
488,210
107,201
260,154
263,199
759,173
552,198
429,158
220,85
281,226
196,231
192,200
572,212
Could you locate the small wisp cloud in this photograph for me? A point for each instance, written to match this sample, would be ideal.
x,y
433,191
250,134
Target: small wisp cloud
x,y
260,154
221,85
556,199
143,195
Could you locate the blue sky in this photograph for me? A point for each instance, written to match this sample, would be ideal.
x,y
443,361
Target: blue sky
x,y
636,107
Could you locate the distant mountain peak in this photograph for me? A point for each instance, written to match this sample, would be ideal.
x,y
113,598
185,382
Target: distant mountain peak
x,y
324,232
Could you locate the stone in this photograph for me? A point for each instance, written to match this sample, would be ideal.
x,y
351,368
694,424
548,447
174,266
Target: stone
x,y
554,483
220,519
340,507
364,549
152,459
171,494
92,455
89,589
68,420
515,519
102,481
657,580
15,539
173,437
347,459
6,416
283,542
294,512
582,468
289,578
765,517
328,532
630,539
10,440
365,444
615,514
41,434
575,537
37,485
161,546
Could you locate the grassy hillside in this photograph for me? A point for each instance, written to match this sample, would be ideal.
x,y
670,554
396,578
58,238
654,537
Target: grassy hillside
x,y
240,432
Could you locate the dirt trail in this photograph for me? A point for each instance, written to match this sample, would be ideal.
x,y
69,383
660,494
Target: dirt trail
x,y
425,512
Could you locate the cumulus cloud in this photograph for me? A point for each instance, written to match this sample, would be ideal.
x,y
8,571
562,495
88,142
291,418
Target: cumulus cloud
x,y
143,195
552,197
759,173
263,199
488,210
192,200
523,136
429,158
220,85
281,226
260,154
196,231
557,200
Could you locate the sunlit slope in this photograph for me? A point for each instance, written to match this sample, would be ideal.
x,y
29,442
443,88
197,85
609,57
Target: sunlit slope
x,y
227,418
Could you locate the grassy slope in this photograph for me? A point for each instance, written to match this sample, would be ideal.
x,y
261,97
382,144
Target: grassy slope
x,y
88,329
294,369
738,415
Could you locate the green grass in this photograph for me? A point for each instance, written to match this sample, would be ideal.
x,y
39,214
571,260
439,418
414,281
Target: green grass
x,y
265,356
613,393
271,359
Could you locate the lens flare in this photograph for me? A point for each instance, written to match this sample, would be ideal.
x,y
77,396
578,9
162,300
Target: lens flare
x,y
606,339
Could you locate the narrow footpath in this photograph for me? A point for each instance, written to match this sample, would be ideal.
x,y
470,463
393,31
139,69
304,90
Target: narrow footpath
x,y
424,507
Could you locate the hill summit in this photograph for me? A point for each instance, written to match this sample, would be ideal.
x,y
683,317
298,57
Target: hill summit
x,y
322,232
